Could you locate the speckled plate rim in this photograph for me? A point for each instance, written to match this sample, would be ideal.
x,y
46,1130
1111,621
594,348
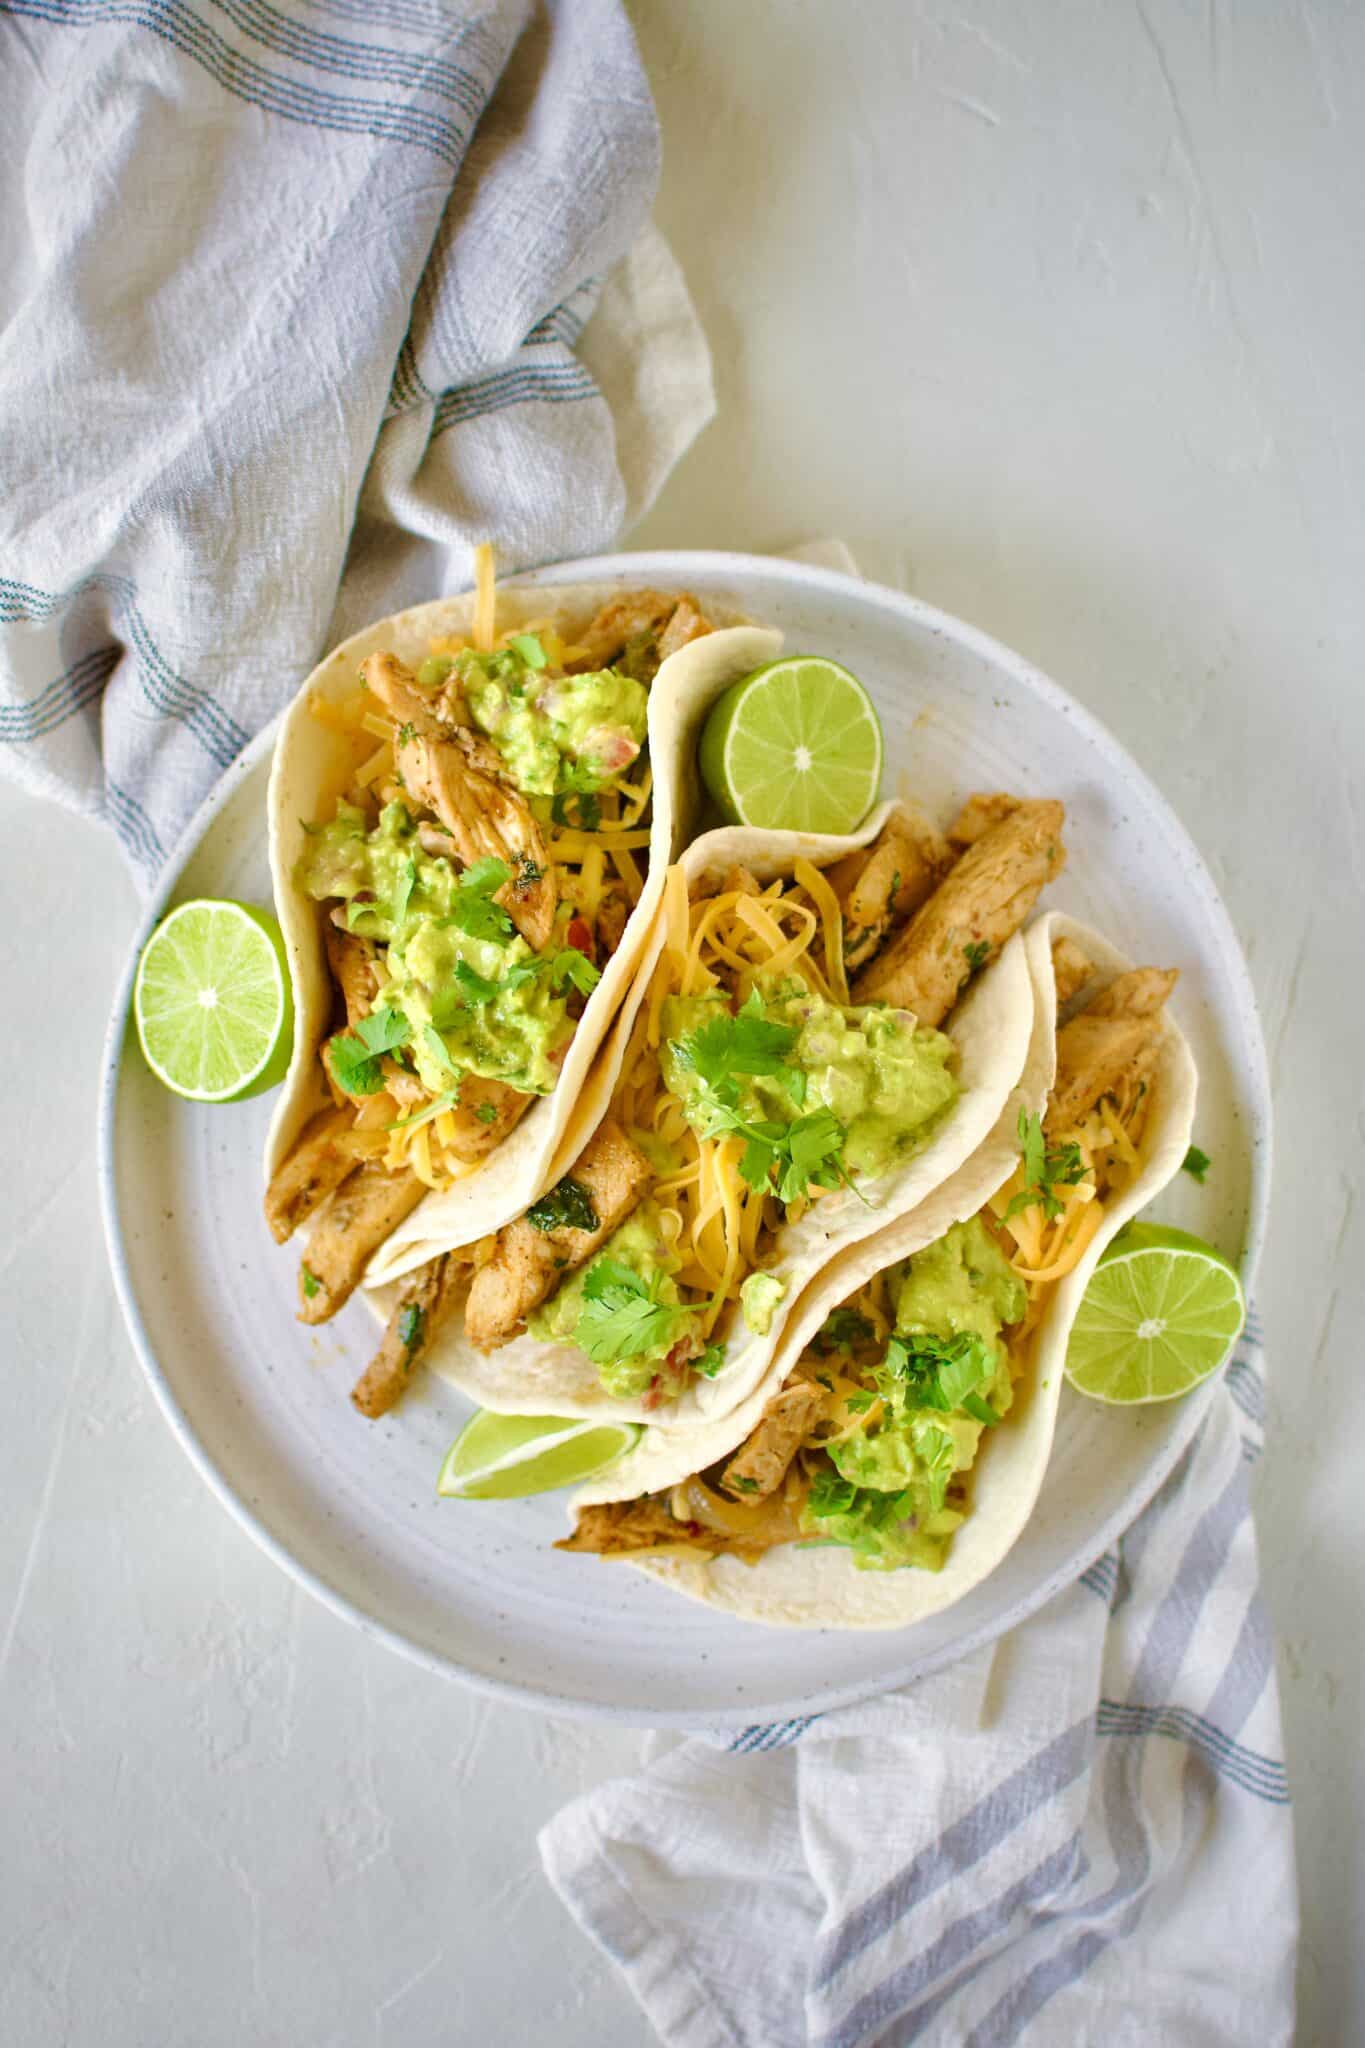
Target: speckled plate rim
x,y
677,567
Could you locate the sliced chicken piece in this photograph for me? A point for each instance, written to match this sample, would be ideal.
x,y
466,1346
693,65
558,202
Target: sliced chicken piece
x,y
1071,969
625,618
439,844
319,1162
977,816
978,906
351,960
367,1207
624,1526
1110,1047
688,623
455,772
528,1263
486,1111
760,1464
883,885
424,1303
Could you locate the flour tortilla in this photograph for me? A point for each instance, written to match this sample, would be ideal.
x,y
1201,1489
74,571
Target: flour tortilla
x,y
800,1586
312,767
991,1028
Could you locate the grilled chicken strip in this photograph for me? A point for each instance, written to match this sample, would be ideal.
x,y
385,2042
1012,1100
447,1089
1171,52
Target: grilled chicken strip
x,y
624,619
476,1135
687,623
424,1303
977,816
366,1208
978,906
623,1526
529,1263
351,960
454,772
1110,1047
320,1161
1070,968
883,885
760,1464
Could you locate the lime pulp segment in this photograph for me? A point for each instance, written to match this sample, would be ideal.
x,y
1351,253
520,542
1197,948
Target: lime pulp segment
x,y
504,1457
211,1001
797,746
1161,1313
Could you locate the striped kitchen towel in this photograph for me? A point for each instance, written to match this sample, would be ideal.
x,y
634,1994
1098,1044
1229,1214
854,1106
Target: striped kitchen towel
x,y
291,315
1079,1834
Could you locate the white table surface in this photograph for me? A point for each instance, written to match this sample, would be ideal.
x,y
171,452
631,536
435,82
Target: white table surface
x,y
1055,313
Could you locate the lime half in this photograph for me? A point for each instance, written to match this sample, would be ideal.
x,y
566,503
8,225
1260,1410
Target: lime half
x,y
502,1457
212,1001
796,746
1162,1312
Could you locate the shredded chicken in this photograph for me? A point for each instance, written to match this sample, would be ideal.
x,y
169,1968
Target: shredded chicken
x,y
486,1111
688,623
1110,1047
881,886
351,960
621,1527
319,1162
613,911
367,1207
739,881
1070,968
528,1263
424,1302
761,1463
623,619
453,771
979,905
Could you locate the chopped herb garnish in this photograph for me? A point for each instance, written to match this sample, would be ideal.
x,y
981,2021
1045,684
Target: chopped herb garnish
x,y
411,1323
406,733
747,1044
311,1283
793,1156
528,871
567,1206
1044,1171
1196,1164
977,954
436,1046
842,1330
355,1069
858,1404
486,1112
943,1373
742,1485
711,1361
622,1317
473,910
384,1030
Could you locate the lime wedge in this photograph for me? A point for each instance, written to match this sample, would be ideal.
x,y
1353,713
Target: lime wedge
x,y
796,746
212,1001
502,1457
1162,1312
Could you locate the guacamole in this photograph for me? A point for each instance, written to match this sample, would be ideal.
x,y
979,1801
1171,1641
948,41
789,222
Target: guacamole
x,y
885,1081
553,732
471,990
624,1309
944,1379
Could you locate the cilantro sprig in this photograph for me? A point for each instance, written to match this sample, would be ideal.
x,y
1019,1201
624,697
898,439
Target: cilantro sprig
x,y
1044,1170
472,908
356,1056
567,1206
941,1373
622,1316
787,1159
1196,1164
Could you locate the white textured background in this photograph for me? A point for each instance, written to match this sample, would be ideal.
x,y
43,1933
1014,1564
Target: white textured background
x,y
1056,312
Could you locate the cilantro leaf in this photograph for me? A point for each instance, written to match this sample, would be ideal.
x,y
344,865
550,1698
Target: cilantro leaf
x,y
711,1361
311,1283
355,1069
842,1330
473,910
812,1145
622,1318
572,965
977,954
1044,1171
384,1030
747,1044
588,808
486,1112
567,1206
436,1046
942,1373
858,1404
473,986
411,1324
1196,1164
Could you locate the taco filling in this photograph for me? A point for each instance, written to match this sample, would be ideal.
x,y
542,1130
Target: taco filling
x,y
871,1442
755,1085
473,876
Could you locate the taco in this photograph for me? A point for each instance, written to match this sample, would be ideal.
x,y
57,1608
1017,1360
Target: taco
x,y
759,1120
471,818
896,1449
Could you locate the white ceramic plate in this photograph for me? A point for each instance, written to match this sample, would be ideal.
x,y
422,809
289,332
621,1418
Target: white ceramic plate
x,y
475,1590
